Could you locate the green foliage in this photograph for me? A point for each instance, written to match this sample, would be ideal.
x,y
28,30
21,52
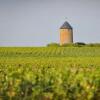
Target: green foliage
x,y
50,52
50,73
68,45
53,45
93,45
77,44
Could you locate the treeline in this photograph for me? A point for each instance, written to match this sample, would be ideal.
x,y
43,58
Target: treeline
x,y
77,44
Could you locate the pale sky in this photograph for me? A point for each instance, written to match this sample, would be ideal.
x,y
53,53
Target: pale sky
x,y
37,22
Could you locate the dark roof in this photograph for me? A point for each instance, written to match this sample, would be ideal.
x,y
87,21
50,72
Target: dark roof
x,y
66,25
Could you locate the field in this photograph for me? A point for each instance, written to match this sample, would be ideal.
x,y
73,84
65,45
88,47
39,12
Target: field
x,y
50,73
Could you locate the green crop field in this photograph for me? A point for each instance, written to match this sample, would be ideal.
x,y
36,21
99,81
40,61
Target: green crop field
x,y
50,73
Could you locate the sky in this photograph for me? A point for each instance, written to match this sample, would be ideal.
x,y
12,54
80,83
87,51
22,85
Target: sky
x,y
37,22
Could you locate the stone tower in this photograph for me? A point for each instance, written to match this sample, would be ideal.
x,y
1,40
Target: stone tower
x,y
66,33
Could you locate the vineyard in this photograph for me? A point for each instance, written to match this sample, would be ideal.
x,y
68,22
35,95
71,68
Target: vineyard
x,y
50,73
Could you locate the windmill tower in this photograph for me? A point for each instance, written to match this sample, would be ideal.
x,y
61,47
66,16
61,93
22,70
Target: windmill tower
x,y
66,33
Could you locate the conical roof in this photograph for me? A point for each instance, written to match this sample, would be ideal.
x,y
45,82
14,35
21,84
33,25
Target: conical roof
x,y
66,25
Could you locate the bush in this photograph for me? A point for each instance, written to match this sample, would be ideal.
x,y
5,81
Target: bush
x,y
53,45
68,45
79,44
93,45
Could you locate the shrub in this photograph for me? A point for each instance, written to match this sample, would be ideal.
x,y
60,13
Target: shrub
x,y
79,44
93,45
68,45
53,45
